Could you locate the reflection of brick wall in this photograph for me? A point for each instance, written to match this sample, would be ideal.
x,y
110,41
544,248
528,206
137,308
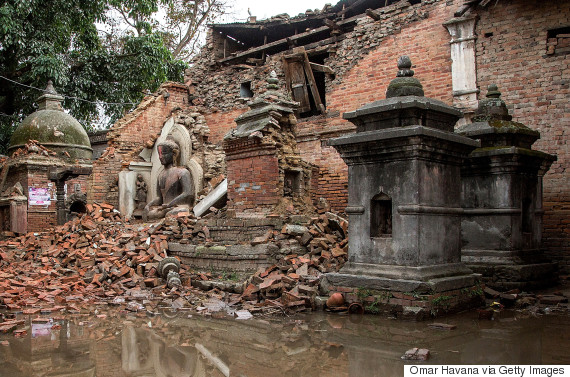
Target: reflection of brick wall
x,y
511,52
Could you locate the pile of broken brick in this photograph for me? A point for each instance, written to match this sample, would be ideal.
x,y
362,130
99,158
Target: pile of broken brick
x,y
100,259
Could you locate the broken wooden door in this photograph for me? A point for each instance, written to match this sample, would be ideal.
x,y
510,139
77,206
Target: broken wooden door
x,y
300,79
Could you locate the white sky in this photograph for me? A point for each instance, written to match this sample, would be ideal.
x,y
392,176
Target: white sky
x,y
263,9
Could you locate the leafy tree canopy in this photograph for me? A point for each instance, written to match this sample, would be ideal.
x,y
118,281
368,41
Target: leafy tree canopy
x,y
59,40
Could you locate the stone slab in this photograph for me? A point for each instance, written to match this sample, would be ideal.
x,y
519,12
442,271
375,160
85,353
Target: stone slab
x,y
403,132
212,198
419,273
402,285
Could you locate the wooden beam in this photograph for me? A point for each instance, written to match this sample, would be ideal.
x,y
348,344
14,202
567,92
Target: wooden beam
x,y
321,68
355,4
370,13
313,84
284,41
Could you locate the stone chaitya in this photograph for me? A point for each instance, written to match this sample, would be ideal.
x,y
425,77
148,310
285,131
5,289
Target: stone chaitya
x,y
404,195
502,200
266,174
50,159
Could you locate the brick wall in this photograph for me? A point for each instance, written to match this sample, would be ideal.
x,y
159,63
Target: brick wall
x,y
31,175
367,73
511,52
220,122
127,137
254,187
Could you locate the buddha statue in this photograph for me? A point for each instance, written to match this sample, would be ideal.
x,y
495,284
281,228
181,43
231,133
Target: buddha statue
x,y
174,189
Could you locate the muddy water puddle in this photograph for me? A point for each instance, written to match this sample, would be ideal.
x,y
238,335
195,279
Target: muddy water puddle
x,y
318,344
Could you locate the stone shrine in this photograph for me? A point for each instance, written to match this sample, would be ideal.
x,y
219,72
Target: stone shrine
x,y
50,160
404,194
265,171
502,200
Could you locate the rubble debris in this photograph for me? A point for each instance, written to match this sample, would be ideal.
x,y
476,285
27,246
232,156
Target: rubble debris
x,y
291,285
421,354
99,259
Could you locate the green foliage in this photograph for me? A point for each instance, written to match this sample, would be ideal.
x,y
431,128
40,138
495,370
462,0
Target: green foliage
x,y
362,293
441,301
59,40
231,276
373,308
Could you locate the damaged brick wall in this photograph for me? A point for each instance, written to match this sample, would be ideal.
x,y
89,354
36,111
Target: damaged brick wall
x,y
40,217
369,51
512,52
128,136
138,130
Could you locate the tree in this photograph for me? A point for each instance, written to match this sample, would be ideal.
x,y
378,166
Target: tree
x,y
180,22
59,40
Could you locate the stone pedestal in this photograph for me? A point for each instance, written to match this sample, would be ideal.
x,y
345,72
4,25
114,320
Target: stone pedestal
x,y
404,193
502,200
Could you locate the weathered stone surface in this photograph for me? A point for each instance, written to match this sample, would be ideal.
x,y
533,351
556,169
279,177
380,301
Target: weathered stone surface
x,y
294,230
502,222
211,199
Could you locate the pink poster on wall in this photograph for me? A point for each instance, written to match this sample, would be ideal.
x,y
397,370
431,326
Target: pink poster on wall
x,y
38,196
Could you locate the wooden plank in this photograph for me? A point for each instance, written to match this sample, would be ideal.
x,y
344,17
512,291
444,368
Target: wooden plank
x,y
370,13
321,68
283,41
355,4
295,80
313,83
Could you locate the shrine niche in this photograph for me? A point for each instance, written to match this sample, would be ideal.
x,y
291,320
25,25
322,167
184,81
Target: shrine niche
x,y
143,175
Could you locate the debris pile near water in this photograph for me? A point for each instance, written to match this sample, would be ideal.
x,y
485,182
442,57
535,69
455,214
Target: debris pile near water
x,y
100,259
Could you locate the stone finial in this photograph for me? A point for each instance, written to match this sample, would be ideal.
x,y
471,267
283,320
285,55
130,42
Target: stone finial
x,y
49,88
493,91
492,107
272,81
50,100
404,65
404,84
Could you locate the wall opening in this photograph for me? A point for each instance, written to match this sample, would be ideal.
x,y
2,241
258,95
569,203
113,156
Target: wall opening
x,y
245,90
78,207
558,41
292,183
381,216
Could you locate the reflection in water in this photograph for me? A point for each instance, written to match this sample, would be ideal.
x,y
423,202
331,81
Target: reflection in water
x,y
311,345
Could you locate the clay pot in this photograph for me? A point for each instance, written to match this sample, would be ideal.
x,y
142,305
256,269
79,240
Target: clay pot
x,y
356,308
336,299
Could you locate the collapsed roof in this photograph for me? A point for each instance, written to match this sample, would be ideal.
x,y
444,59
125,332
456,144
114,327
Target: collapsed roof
x,y
281,32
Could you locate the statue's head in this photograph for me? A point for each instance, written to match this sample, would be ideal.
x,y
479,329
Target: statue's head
x,y
168,152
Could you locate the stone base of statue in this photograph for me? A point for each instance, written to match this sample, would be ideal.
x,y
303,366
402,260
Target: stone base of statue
x,y
159,213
